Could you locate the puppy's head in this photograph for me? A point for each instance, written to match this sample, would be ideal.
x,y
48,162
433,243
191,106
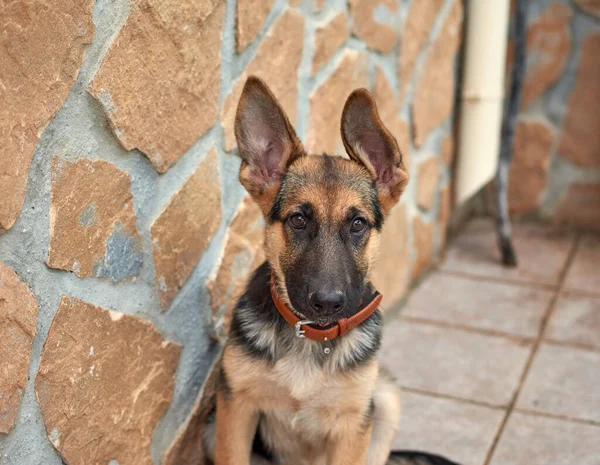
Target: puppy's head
x,y
323,214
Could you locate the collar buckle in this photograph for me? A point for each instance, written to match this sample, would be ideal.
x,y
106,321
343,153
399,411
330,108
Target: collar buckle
x,y
299,331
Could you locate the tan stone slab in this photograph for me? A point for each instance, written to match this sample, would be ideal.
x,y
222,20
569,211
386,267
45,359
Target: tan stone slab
x,y
434,93
378,36
563,381
584,273
390,273
579,207
548,48
453,362
448,150
104,381
281,50
576,320
444,213
479,304
328,38
579,142
533,440
427,182
417,28
42,47
591,7
243,253
92,222
327,103
159,82
18,314
250,18
529,165
541,252
459,431
423,244
185,227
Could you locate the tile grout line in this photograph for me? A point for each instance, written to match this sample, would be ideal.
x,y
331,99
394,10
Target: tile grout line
x,y
536,345
537,413
462,400
499,280
520,339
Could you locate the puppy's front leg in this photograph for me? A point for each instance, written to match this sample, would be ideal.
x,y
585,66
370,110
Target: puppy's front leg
x,y
236,426
350,449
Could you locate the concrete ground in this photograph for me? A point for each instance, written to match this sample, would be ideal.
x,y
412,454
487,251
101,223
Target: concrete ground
x,y
502,366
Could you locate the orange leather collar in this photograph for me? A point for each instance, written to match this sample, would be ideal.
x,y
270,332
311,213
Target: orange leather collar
x,y
303,328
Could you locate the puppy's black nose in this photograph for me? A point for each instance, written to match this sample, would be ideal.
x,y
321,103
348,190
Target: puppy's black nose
x,y
327,301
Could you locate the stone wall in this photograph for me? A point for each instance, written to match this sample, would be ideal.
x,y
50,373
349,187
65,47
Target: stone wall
x,y
126,236
555,173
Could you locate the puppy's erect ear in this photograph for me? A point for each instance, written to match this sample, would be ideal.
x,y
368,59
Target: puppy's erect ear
x,y
266,140
369,143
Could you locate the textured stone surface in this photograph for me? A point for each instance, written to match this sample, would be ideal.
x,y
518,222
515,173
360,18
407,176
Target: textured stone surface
x,y
185,227
327,103
41,49
591,7
529,165
429,173
563,381
104,381
479,304
18,313
542,252
387,106
576,319
187,448
250,17
276,62
584,273
579,207
242,254
453,362
159,82
92,222
417,27
447,150
423,243
533,440
390,273
328,38
463,432
378,36
434,96
548,47
580,142
444,213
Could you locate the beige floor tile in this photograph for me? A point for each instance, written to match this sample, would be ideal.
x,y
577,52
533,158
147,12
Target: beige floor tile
x,y
563,381
576,320
584,273
460,431
453,362
479,304
541,252
533,440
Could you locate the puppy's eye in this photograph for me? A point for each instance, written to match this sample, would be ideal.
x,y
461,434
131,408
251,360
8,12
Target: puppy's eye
x,y
298,221
358,225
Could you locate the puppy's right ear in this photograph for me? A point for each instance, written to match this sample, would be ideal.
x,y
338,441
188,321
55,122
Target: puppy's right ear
x,y
266,141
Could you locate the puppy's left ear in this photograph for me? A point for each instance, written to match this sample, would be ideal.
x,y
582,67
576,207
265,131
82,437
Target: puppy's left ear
x,y
368,142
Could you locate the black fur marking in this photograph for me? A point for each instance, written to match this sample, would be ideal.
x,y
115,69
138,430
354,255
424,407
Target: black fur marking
x,y
222,383
417,458
377,213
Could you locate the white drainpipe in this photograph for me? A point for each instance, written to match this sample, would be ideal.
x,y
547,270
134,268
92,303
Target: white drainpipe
x,y
481,96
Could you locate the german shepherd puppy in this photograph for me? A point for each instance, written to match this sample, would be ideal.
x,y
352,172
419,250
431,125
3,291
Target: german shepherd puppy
x,y
299,382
